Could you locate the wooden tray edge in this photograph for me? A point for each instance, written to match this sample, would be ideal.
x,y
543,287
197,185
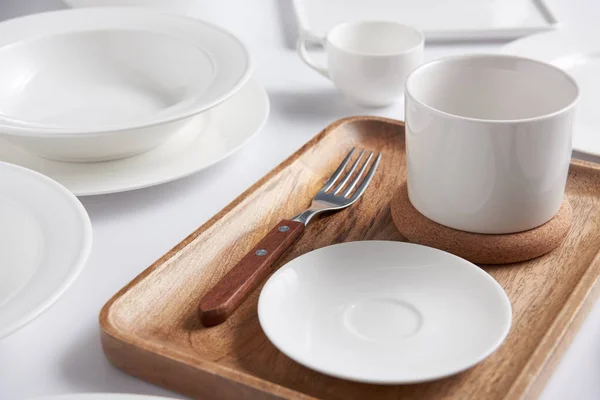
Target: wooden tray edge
x,y
187,378
532,380
114,338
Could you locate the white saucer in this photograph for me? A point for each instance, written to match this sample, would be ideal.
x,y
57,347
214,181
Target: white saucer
x,y
384,312
576,51
223,130
45,240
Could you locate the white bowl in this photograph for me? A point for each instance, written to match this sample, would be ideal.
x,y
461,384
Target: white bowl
x,y
100,79
104,83
384,312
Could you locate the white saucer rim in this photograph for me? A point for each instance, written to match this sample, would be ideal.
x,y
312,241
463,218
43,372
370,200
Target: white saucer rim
x,y
348,377
78,264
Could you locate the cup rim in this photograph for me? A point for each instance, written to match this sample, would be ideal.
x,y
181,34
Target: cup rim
x,y
365,22
429,64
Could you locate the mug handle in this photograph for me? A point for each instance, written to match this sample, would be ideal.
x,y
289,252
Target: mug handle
x,y
307,37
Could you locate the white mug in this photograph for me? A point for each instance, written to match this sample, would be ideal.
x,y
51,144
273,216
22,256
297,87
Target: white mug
x,y
368,61
488,141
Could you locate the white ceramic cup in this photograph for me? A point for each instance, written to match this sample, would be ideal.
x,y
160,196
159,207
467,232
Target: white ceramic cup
x,y
368,61
488,140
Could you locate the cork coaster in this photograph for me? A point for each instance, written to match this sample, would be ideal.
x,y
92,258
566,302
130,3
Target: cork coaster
x,y
475,247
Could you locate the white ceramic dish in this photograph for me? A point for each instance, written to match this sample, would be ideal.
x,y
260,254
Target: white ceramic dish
x,y
384,312
45,240
368,61
576,50
488,141
205,140
95,84
440,21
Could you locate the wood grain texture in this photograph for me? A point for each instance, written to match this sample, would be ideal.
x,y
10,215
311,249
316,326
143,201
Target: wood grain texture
x,y
151,328
476,247
226,296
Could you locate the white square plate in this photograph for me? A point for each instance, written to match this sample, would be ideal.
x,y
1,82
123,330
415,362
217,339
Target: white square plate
x,y
439,20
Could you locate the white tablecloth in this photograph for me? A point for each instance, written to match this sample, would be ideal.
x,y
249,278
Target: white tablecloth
x,y
60,351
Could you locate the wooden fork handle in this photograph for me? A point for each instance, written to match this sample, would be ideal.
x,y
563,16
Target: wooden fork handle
x,y
226,296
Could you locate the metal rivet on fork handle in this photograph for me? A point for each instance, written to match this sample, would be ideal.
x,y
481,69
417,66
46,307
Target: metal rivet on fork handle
x,y
283,228
261,252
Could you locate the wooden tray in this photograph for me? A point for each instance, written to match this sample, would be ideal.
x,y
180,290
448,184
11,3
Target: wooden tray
x,y
150,329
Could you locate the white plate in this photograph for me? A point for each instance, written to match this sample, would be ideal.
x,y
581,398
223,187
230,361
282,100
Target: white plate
x,y
45,240
577,51
438,19
95,69
223,130
384,312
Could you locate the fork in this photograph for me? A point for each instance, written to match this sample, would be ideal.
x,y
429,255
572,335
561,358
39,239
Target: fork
x,y
226,296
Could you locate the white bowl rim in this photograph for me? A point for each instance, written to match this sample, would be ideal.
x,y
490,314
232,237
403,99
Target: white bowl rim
x,y
31,129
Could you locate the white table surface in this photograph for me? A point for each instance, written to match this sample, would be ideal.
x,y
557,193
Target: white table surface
x,y
60,351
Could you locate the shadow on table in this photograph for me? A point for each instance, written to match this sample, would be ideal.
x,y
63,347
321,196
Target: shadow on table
x,y
87,370
117,204
19,8
585,157
287,21
323,103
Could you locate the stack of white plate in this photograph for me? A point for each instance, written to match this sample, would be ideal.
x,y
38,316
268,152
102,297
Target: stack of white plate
x,y
155,96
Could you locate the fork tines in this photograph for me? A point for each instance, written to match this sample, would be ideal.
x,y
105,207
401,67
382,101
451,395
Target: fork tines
x,y
351,178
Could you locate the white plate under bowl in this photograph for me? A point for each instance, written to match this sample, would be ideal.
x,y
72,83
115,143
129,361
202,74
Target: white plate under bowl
x,y
577,51
384,312
203,141
45,240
